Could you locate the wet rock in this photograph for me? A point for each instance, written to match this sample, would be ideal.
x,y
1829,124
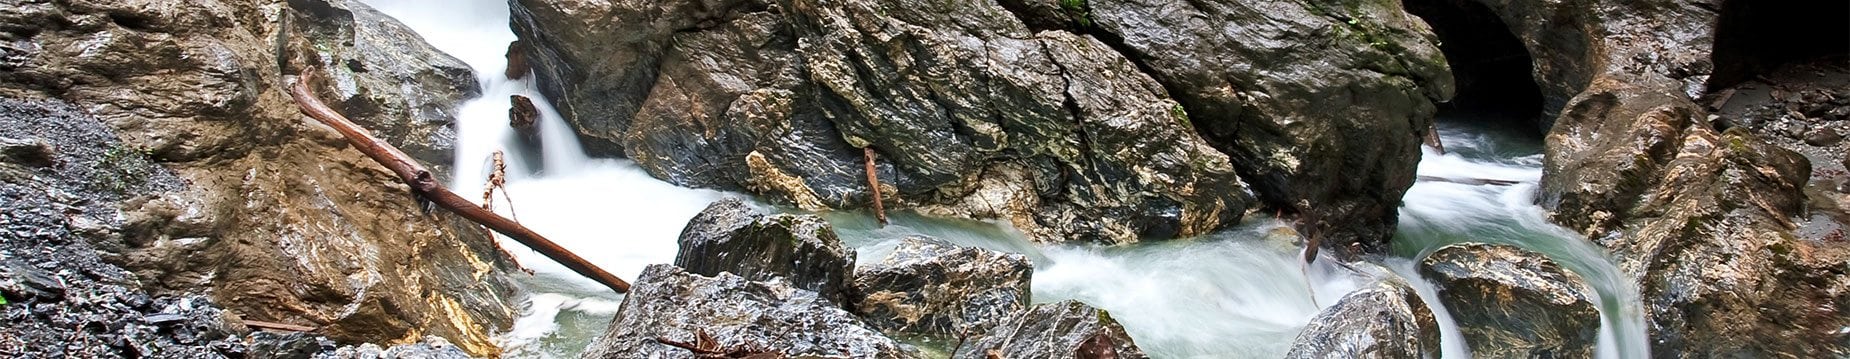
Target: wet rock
x,y
1329,131
1065,329
1383,320
1510,302
739,315
1824,137
429,348
931,287
383,76
276,217
734,102
731,237
517,66
293,345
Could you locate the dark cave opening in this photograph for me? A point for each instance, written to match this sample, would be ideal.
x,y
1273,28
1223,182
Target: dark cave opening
x,y
1492,69
1753,37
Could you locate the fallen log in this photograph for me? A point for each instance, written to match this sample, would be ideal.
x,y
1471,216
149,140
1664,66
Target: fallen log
x,y
1432,139
1470,181
425,185
873,185
277,326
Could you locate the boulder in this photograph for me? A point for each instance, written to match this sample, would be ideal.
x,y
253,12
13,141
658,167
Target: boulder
x,y
384,77
1320,105
220,185
931,287
973,112
1066,329
731,237
727,313
1510,302
1384,320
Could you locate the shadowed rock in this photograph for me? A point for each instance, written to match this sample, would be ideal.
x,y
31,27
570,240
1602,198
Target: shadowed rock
x,y
1510,302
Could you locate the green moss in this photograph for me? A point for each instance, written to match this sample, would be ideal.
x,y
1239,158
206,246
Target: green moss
x,y
1079,11
1181,115
123,168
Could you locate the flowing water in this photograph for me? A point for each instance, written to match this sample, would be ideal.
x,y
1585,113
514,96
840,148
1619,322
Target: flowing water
x,y
1236,293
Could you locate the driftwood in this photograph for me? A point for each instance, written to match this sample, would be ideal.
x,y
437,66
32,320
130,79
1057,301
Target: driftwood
x,y
277,326
1432,139
873,185
1470,181
425,185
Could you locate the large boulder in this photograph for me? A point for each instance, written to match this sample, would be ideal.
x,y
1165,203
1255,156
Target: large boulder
x,y
1384,320
731,237
734,316
1000,110
383,76
1061,330
274,216
1510,302
931,287
1321,105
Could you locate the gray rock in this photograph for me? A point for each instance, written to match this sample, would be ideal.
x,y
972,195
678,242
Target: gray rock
x,y
1510,302
963,103
383,76
932,287
1383,320
731,237
1066,329
1320,105
668,303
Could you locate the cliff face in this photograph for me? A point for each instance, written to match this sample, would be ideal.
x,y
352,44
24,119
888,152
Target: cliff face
x,y
1714,221
271,215
1107,121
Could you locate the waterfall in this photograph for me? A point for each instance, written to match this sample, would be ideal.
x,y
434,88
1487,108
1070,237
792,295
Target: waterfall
x,y
1238,292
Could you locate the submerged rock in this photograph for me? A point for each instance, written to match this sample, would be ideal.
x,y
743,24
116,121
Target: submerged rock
x,y
1383,320
738,315
1509,302
1065,329
932,287
731,237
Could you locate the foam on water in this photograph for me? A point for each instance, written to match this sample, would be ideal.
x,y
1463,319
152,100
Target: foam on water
x,y
1237,293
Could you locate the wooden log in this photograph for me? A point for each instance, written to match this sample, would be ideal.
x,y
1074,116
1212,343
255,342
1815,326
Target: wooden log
x,y
873,185
1432,139
277,326
425,185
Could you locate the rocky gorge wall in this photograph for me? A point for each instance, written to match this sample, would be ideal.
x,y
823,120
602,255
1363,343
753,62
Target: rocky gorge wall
x,y
1714,221
273,217
1099,121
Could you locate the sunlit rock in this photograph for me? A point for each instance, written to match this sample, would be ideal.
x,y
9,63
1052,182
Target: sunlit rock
x,y
932,287
731,237
1383,320
1065,329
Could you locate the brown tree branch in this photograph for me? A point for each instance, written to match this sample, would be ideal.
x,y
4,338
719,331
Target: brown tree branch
x,y
873,185
425,185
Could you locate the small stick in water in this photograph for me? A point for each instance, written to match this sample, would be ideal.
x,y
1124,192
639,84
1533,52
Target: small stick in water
x,y
497,179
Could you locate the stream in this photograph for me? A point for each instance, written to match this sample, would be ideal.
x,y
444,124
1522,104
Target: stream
x,y
1237,293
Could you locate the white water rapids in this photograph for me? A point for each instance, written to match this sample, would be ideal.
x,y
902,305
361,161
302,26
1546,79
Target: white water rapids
x,y
1237,293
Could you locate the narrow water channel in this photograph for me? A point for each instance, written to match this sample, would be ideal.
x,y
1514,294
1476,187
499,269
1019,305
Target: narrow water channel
x,y
1237,293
